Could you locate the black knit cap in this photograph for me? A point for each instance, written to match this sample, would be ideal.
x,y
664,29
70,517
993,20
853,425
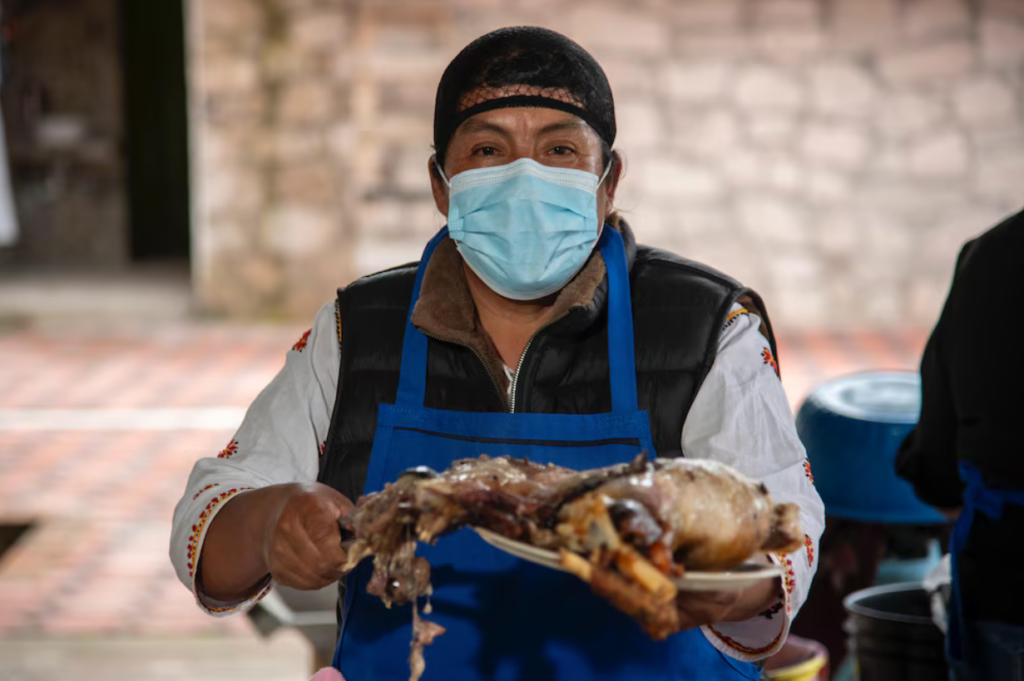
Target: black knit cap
x,y
523,66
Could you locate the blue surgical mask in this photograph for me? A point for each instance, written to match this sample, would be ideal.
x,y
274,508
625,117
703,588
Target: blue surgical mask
x,y
524,228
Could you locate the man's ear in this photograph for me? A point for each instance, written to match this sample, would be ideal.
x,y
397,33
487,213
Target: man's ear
x,y
438,186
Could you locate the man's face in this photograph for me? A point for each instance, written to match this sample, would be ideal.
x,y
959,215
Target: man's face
x,y
554,138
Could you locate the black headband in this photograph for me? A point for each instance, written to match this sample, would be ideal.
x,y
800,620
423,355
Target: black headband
x,y
522,67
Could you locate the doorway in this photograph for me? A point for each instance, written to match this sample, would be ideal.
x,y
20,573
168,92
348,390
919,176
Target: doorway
x,y
156,121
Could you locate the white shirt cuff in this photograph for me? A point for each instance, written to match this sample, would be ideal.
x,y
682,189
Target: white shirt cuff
x,y
764,634
195,547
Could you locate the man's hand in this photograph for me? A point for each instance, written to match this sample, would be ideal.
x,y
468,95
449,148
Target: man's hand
x,y
697,608
705,607
289,531
302,546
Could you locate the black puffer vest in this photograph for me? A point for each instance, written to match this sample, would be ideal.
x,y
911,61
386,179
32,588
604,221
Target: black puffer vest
x,y
679,308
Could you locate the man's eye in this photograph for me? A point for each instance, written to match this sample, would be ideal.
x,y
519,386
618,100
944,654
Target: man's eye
x,y
561,151
487,151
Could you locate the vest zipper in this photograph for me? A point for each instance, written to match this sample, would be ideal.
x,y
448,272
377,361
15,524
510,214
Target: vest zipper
x,y
494,382
522,358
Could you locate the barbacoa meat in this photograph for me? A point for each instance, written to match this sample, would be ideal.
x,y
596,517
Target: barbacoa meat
x,y
628,530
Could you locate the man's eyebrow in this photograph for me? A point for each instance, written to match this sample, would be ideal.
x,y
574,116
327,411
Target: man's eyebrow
x,y
473,125
482,126
576,124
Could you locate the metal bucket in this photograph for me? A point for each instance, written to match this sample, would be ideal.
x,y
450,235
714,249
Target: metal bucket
x,y
892,635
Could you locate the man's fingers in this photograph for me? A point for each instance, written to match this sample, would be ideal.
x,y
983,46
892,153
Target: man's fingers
x,y
296,571
292,562
294,552
328,545
319,544
323,534
328,560
306,546
705,607
339,504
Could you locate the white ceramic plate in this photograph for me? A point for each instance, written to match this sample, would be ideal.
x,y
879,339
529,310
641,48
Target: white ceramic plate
x,y
740,577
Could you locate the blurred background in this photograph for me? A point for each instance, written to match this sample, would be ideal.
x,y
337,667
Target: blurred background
x,y
183,183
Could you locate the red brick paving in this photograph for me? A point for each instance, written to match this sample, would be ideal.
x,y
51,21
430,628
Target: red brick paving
x,y
167,367
97,560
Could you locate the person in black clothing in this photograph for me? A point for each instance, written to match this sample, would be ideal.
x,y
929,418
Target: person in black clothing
x,y
966,455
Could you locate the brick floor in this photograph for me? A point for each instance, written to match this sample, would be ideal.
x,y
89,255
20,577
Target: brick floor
x,y
285,657
168,366
96,563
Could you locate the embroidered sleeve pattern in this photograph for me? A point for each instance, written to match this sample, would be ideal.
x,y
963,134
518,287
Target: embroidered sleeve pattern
x,y
300,344
769,359
734,316
788,579
279,441
741,417
228,609
229,451
337,321
734,648
199,528
210,486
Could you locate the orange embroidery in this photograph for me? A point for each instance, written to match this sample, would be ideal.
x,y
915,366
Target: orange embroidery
x,y
227,608
210,486
323,446
736,313
337,319
732,643
204,517
229,451
300,345
232,608
810,550
788,578
733,316
769,359
807,470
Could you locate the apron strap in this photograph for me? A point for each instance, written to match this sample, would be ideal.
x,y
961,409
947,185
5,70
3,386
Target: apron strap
x,y
412,377
621,351
412,381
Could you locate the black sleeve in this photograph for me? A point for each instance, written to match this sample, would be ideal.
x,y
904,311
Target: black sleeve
x,y
927,458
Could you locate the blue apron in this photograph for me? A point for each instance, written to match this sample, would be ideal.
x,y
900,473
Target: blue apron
x,y
977,498
506,618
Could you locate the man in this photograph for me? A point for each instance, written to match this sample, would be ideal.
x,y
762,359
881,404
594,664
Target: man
x,y
966,453
520,340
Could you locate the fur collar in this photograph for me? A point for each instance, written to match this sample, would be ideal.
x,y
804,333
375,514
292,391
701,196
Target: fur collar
x,y
446,310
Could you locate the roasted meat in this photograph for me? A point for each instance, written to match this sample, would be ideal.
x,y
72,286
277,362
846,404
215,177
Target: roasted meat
x,y
628,530
707,515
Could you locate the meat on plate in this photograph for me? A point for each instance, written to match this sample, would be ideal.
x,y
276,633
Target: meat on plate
x,y
628,529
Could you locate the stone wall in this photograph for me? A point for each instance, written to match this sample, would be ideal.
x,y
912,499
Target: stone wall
x,y
834,154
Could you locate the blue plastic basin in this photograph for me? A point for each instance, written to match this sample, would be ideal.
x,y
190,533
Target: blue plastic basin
x,y
852,427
